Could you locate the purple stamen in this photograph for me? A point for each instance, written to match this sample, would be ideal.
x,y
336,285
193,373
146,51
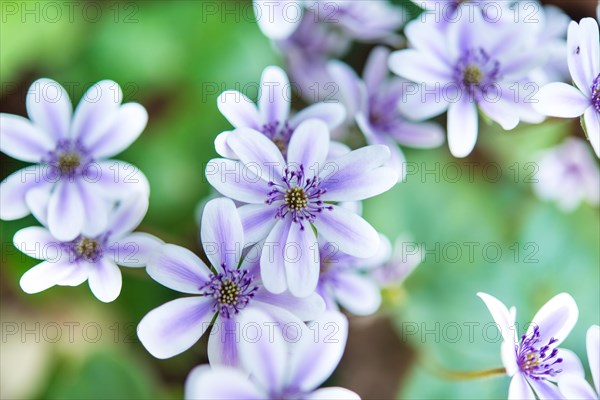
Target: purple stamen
x,y
70,158
476,72
596,93
279,133
231,290
534,360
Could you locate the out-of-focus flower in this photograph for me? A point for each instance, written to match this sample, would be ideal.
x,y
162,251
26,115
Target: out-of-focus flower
x,y
562,100
278,368
552,35
91,258
272,116
446,12
575,386
535,362
289,202
405,258
72,174
223,293
472,65
569,175
374,102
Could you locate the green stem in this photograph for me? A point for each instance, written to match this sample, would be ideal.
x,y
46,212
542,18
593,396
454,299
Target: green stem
x,y
449,374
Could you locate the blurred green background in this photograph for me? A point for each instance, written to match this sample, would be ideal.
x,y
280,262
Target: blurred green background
x,y
175,58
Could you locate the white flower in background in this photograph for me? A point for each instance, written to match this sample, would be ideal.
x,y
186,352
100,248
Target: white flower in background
x,y
568,175
575,386
535,362
278,368
406,256
70,149
91,258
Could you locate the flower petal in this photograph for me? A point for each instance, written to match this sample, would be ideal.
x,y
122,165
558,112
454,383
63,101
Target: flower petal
x,y
235,180
333,393
175,326
502,111
45,275
305,308
127,215
49,107
561,100
275,95
423,135
117,179
37,242
502,316
22,140
419,66
309,146
519,389
179,269
256,151
376,70
66,215
95,110
135,250
105,280
37,200
221,146
14,188
301,261
593,353
94,207
351,90
272,258
591,118
556,318
222,234
350,232
278,19
576,387
462,128
258,220
206,383
570,365
356,293
239,110
223,342
333,114
545,390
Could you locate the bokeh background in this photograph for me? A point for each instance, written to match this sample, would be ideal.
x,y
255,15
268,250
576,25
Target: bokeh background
x,y
483,231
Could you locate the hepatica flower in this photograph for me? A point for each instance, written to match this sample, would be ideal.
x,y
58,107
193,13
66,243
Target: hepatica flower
x,y
374,102
535,362
562,100
91,258
569,175
70,150
222,292
278,369
272,116
575,386
288,202
472,65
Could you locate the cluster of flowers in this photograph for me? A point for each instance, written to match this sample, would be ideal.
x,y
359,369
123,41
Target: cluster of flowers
x,y
286,245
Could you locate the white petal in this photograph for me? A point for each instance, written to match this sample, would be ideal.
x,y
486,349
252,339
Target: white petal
x,y
545,390
570,365
239,110
357,294
419,66
95,209
501,315
257,152
206,383
224,342
22,140
258,220
235,180
278,19
576,387
221,146
49,107
37,200
302,261
272,259
175,326
95,110
591,118
502,111
352,90
37,242
222,234
333,114
179,269
14,189
349,232
135,250
66,215
275,95
118,179
45,275
561,100
127,215
593,353
556,318
306,308
309,146
105,280
519,389
376,70
333,393
462,128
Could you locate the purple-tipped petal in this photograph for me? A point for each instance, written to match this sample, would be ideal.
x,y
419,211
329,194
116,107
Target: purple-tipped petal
x,y
462,127
45,275
222,234
350,232
206,383
333,114
49,107
239,110
135,250
309,147
556,318
66,214
95,110
593,352
22,140
561,100
519,389
105,280
179,269
257,152
258,220
272,258
14,189
275,95
175,326
357,294
224,342
127,215
301,261
237,181
37,242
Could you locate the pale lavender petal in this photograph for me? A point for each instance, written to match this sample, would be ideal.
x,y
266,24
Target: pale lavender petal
x,y
301,261
221,146
258,220
333,114
235,180
462,128
257,152
78,275
224,342
337,150
397,160
37,200
577,59
556,318
222,234
421,67
576,387
45,275
37,242
421,102
66,215
350,89
117,179
175,326
309,147
545,390
275,95
424,135
591,118
593,353
423,38
333,393
357,294
508,354
127,124
350,232
239,110
305,308
570,365
95,208
278,19
272,259
502,316
49,107
14,188
95,110
376,69
134,250
519,389
561,100
105,280
590,46
179,269
22,140
206,383
127,215
503,111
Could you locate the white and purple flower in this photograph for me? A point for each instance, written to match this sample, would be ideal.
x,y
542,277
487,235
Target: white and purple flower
x,y
472,65
278,368
70,149
222,292
374,102
565,101
568,175
91,258
406,256
575,386
535,363
290,202
272,116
